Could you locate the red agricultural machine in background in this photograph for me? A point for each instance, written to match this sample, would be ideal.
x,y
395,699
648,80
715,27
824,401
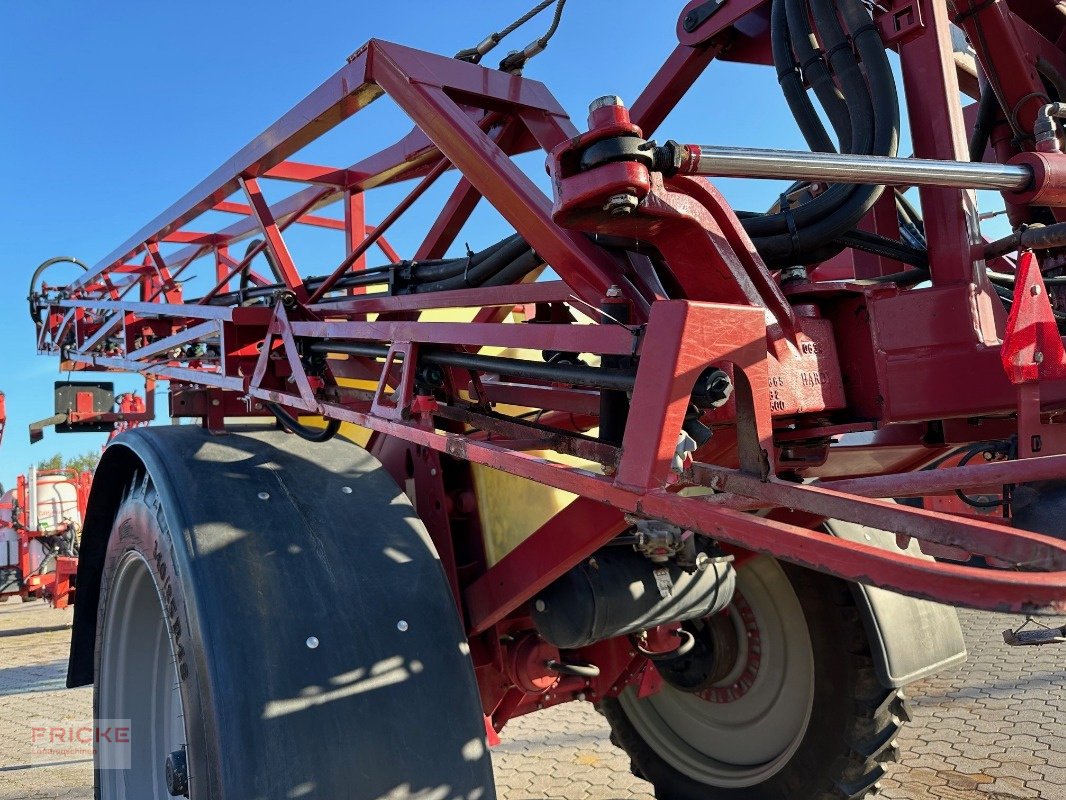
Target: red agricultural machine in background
x,y
40,529
658,476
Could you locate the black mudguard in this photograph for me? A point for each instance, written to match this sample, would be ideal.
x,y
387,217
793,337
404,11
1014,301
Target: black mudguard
x,y
910,639
282,540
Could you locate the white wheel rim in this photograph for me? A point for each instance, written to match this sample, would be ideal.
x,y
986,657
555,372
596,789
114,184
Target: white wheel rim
x,y
746,740
138,681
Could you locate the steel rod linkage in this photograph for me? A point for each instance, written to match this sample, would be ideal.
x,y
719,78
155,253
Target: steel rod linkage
x,y
750,162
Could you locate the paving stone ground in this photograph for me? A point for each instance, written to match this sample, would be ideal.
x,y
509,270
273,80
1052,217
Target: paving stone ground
x,y
992,730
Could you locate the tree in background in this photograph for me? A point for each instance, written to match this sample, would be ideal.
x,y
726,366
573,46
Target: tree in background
x,y
86,462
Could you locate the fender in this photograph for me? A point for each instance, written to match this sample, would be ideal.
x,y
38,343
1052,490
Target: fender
x,y
910,639
277,542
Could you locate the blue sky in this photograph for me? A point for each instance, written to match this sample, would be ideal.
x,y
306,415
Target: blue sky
x,y
112,111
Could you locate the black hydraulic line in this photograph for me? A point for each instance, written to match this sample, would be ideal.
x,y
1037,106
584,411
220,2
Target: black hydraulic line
x,y
574,374
294,426
883,246
867,242
853,86
272,262
473,269
883,92
987,111
783,238
814,69
786,237
441,269
476,274
788,76
516,270
1033,237
910,211
35,312
916,275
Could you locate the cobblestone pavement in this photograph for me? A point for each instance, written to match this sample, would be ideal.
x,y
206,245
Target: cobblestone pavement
x,y
994,730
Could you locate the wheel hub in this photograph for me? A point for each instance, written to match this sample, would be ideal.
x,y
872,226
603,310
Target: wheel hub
x,y
735,638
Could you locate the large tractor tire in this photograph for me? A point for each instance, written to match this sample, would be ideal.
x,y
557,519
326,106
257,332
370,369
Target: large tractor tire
x,y
780,700
273,621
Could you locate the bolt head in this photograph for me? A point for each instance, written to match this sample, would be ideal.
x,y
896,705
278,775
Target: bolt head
x,y
620,205
402,625
1034,290
312,642
603,102
264,495
1038,357
540,605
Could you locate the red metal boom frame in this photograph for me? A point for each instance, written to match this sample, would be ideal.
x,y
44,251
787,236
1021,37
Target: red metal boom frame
x,y
914,372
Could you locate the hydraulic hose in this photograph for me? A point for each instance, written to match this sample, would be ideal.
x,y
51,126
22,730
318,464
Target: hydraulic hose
x,y
788,77
1033,237
987,110
294,426
35,312
816,72
506,261
791,236
575,374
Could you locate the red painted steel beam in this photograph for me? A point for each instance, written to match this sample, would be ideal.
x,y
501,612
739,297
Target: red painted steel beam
x,y
610,339
272,238
574,534
308,173
926,525
947,479
930,81
340,96
306,219
546,292
585,267
988,589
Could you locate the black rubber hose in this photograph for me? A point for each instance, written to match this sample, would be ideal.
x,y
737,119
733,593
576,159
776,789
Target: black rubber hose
x,y
883,246
514,247
35,313
853,85
246,277
807,214
909,214
574,374
814,70
987,111
425,271
1034,237
867,242
475,267
785,238
294,426
788,77
879,73
516,270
